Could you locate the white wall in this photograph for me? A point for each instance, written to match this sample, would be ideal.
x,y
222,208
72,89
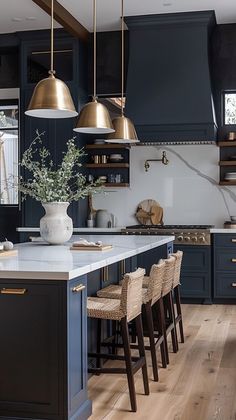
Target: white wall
x,y
187,188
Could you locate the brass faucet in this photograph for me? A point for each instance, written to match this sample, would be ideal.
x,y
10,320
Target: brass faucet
x,y
163,160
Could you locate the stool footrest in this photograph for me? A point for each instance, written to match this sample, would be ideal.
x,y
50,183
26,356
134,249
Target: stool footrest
x,y
178,318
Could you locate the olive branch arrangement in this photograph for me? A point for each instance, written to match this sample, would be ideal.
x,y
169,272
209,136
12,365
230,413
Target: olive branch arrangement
x,y
47,182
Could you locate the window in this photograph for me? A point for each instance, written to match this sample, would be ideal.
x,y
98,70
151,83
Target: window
x,y
230,108
9,136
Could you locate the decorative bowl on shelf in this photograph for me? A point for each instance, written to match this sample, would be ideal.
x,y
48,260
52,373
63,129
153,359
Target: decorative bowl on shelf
x,y
230,176
116,157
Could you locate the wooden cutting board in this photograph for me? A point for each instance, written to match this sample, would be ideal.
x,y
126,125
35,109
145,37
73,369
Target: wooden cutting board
x,y
11,253
149,212
91,248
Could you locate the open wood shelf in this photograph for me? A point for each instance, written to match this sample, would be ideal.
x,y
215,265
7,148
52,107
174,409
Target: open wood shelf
x,y
227,163
106,146
113,184
107,165
227,182
227,143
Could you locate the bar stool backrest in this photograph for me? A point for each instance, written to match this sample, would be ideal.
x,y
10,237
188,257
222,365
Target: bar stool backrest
x,y
178,262
131,294
155,281
168,275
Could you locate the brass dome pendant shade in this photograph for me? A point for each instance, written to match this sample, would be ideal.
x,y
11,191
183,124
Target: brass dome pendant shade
x,y
94,117
124,131
51,97
124,128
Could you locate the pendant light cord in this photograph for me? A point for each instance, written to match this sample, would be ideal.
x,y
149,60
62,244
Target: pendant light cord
x,y
52,71
122,57
94,49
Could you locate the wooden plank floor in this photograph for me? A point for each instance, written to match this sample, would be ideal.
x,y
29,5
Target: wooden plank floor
x,y
199,383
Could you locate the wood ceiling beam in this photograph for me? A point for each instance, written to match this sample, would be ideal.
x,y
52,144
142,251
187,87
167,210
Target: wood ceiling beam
x,y
62,16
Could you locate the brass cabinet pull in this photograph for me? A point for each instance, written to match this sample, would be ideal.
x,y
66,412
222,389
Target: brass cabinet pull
x,y
5,291
78,288
233,260
233,240
233,284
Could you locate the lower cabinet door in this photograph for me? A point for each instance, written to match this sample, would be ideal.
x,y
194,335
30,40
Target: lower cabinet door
x,y
30,346
225,285
195,285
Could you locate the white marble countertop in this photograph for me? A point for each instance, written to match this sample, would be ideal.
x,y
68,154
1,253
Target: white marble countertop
x,y
222,230
78,229
38,260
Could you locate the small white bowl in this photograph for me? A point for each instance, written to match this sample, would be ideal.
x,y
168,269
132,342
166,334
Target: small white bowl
x,y
233,218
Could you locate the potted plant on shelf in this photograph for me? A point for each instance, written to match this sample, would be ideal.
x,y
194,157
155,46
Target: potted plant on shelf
x,y
55,186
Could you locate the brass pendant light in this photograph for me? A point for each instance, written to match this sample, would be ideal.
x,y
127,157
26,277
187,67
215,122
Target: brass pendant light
x,y
51,97
94,117
124,128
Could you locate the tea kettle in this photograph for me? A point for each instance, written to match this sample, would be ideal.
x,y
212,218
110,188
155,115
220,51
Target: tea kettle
x,y
104,219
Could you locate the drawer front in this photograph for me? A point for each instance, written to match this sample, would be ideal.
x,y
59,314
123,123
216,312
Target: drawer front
x,y
225,260
225,285
195,285
225,240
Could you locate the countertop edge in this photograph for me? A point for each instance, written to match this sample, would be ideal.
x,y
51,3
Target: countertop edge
x,y
222,230
87,268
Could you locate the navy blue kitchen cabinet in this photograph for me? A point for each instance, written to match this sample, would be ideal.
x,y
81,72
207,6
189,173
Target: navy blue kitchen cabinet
x,y
147,259
44,351
196,272
224,266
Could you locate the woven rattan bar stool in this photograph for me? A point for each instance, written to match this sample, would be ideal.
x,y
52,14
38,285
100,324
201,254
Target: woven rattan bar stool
x,y
150,296
124,310
176,293
166,305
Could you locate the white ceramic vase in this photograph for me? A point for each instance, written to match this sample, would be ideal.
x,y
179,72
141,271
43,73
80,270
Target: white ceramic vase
x,y
56,226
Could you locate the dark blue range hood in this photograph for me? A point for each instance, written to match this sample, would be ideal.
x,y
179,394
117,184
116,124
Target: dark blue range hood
x,y
169,94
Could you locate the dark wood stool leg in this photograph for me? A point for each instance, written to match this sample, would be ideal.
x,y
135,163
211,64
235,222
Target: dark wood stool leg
x,y
161,330
179,312
172,319
128,362
99,338
139,328
115,338
149,318
163,323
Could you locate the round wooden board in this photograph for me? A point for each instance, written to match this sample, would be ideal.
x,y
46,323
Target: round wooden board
x,y
149,212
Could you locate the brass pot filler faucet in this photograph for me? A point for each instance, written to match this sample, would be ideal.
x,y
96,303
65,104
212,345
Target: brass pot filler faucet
x,y
163,160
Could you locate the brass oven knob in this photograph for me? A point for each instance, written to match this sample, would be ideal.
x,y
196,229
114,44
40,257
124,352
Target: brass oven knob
x,y
194,238
202,239
187,238
180,238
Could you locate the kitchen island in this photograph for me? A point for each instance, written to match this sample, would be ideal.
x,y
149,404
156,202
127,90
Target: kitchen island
x,y
43,322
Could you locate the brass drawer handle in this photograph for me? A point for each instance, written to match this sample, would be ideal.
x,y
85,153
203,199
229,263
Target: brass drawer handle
x,y
233,260
78,288
233,240
5,291
233,284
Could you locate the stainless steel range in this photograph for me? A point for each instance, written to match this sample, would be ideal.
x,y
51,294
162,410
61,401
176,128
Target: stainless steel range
x,y
184,234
